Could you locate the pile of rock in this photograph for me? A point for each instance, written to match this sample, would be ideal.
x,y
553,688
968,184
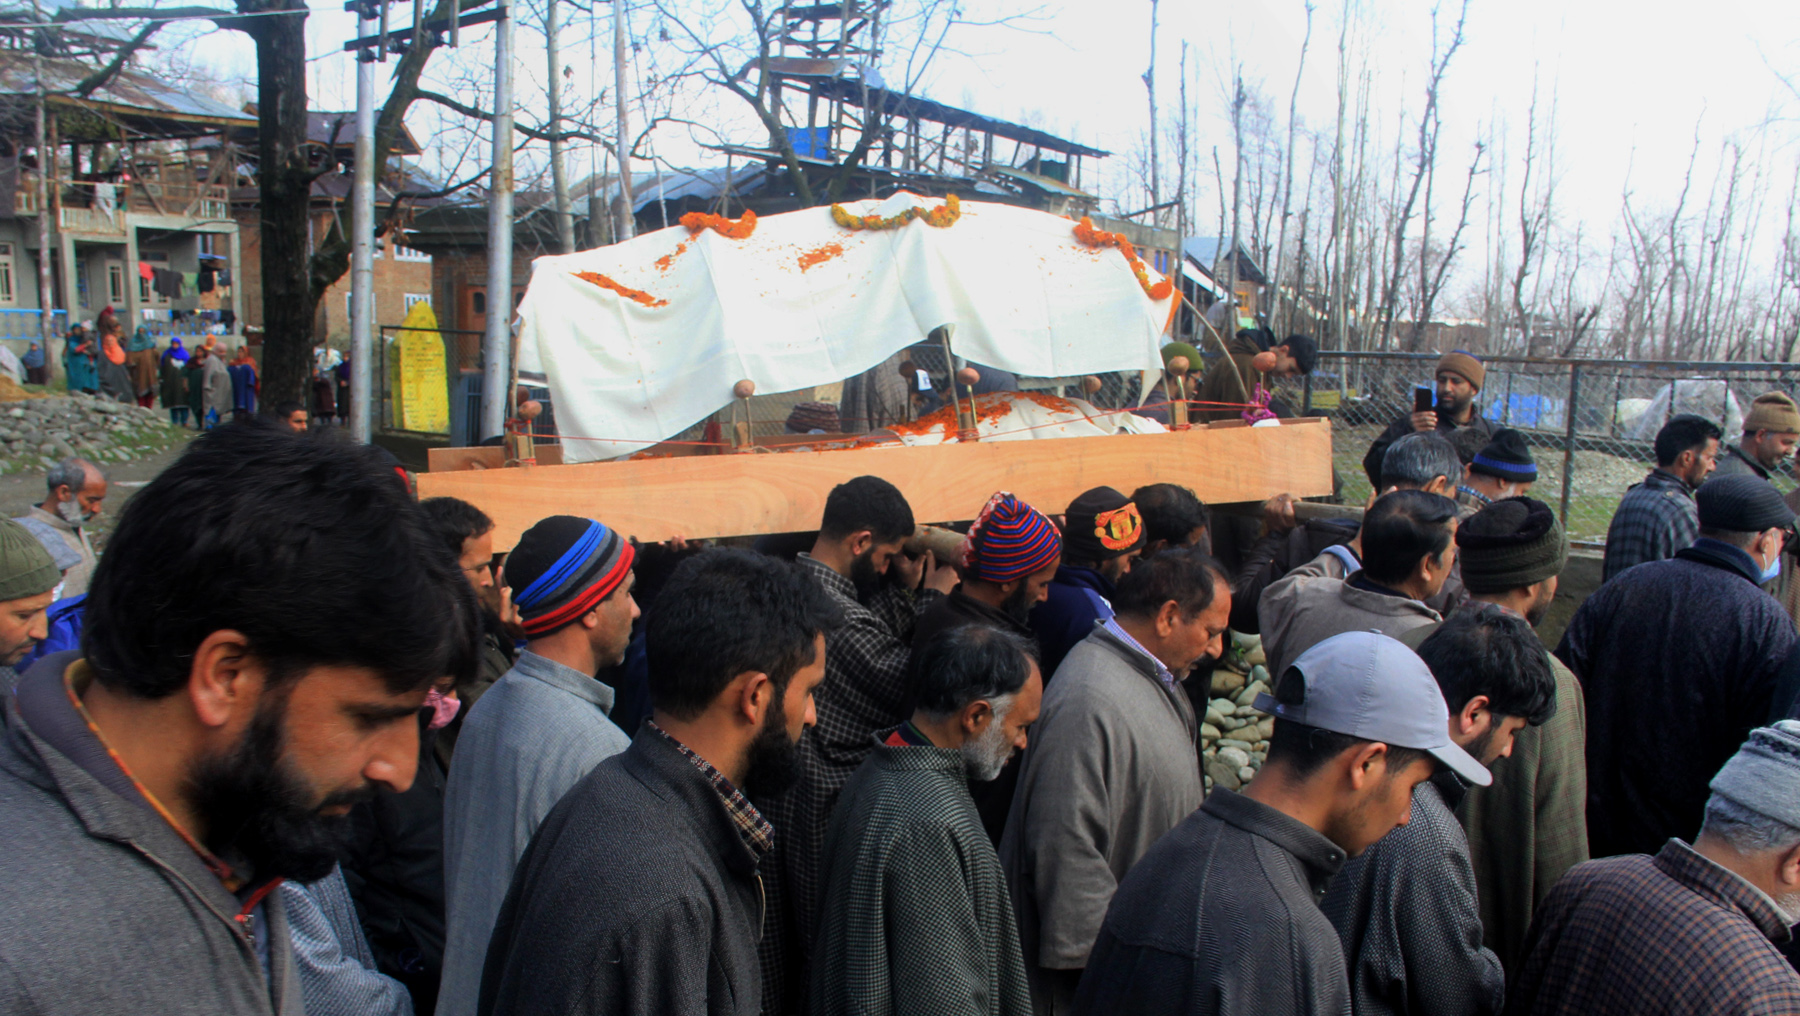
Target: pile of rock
x,y
37,433
1234,736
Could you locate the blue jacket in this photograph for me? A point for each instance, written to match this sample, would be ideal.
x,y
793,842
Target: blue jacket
x,y
1078,597
65,618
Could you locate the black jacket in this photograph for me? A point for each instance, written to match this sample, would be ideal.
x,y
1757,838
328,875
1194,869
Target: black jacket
x,y
637,896
393,863
1679,661
1221,917
1469,438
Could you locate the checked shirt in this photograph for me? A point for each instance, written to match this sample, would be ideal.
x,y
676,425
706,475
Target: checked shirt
x,y
1655,519
865,690
1674,933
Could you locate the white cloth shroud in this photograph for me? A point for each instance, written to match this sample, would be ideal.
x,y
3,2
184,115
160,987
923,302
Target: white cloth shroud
x,y
803,301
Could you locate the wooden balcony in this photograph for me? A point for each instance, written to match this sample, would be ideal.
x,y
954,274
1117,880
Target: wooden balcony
x,y
85,207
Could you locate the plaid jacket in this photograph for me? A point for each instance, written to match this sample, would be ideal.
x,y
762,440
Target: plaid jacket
x,y
865,691
1655,519
1674,933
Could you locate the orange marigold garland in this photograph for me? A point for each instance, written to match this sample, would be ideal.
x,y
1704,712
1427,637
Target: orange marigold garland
x,y
1089,236
738,230
634,295
942,217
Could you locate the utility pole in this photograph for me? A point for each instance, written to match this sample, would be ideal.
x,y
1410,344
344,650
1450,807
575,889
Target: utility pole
x,y
559,177
496,345
46,163
626,226
362,238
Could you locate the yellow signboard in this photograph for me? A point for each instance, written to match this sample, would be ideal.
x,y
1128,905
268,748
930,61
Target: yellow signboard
x,y
420,382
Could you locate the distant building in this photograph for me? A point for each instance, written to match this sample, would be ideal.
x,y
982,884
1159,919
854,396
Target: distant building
x,y
402,273
137,205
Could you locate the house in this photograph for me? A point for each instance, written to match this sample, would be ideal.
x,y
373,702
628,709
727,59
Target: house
x,y
402,273
135,209
1209,273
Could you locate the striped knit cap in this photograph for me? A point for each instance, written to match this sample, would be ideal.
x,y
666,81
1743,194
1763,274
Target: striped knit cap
x,y
1009,540
562,568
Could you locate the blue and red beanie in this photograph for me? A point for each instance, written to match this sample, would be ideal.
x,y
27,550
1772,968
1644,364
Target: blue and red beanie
x,y
1009,540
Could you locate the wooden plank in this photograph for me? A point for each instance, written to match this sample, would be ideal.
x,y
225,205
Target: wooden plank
x,y
742,495
441,460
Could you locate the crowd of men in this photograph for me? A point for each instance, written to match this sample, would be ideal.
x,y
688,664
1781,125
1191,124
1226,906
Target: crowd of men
x,y
317,748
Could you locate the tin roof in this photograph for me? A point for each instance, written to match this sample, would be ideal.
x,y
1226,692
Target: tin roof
x,y
900,103
143,104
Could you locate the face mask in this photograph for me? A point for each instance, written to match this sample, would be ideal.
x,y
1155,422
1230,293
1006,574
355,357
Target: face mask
x,y
443,708
1773,570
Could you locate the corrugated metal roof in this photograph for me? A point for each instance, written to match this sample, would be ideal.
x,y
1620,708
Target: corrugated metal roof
x,y
130,93
902,104
1205,251
1040,181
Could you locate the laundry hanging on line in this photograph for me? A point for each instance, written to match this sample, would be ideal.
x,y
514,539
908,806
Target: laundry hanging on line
x,y
166,283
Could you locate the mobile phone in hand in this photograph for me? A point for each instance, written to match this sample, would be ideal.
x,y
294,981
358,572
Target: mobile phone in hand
x,y
1424,399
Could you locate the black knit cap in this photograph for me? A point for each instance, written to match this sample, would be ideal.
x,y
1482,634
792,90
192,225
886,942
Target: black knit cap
x,y
1102,524
1742,504
1511,543
1506,456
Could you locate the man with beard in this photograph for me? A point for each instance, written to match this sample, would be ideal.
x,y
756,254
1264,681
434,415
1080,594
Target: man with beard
x,y
1693,929
1114,765
1771,430
1657,517
641,893
235,697
1406,908
1009,556
1530,825
1008,559
865,524
1456,415
536,732
76,490
916,916
28,579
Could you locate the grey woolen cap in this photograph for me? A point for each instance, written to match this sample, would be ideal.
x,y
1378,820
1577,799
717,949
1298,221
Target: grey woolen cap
x,y
1742,503
1764,775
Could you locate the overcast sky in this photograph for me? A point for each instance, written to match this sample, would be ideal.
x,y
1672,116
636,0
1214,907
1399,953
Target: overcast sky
x,y
1633,79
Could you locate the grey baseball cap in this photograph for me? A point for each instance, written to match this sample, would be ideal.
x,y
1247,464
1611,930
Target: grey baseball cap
x,y
1369,686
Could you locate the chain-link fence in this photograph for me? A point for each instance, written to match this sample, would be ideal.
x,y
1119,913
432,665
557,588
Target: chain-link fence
x,y
1590,423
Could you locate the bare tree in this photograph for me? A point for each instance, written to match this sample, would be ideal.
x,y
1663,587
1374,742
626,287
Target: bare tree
x,y
1287,172
1424,163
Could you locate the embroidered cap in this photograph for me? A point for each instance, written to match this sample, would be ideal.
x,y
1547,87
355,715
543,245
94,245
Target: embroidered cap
x,y
1102,524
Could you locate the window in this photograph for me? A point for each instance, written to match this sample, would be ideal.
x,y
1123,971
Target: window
x,y
115,283
412,298
478,301
408,254
6,273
